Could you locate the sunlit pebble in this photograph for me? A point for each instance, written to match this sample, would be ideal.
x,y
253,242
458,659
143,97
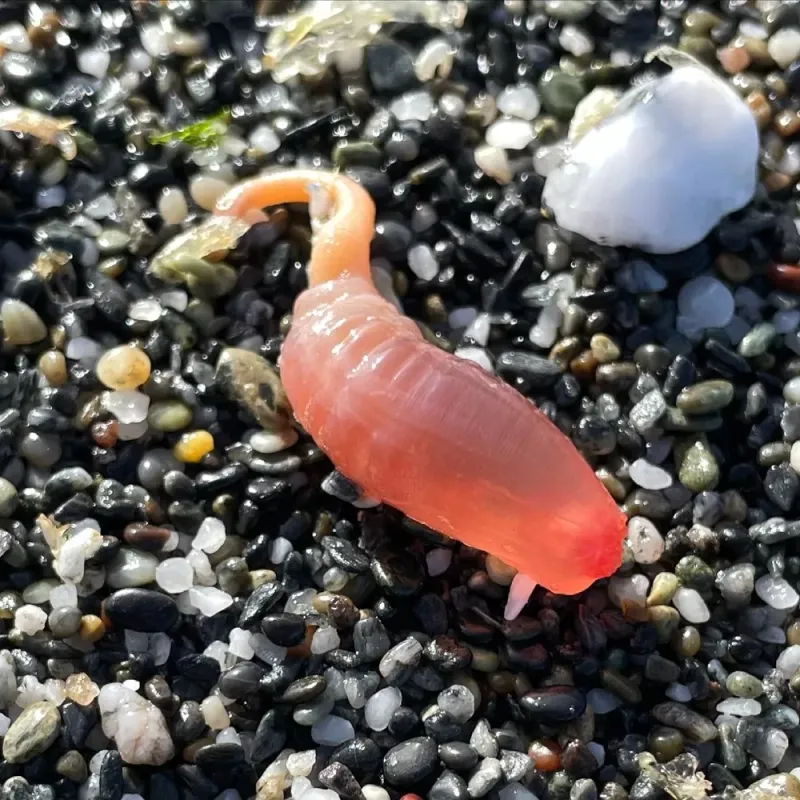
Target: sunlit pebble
x,y
138,59
65,594
349,59
478,330
209,601
452,105
434,59
520,101
264,139
648,475
14,37
510,134
205,190
279,550
273,442
210,535
172,205
85,350
422,262
127,406
146,310
233,145
93,61
547,157
477,355
124,368
494,162
416,105
176,299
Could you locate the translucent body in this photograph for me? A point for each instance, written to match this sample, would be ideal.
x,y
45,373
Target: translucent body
x,y
428,433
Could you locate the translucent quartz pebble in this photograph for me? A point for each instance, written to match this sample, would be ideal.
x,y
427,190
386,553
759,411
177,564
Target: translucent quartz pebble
x,y
681,148
136,725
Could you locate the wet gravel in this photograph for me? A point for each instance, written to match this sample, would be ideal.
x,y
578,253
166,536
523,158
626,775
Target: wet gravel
x,y
193,602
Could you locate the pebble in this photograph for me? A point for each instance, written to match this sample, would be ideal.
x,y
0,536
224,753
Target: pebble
x,y
776,592
520,101
784,46
691,605
32,732
510,134
137,727
644,540
21,324
123,368
332,731
381,706
410,762
141,610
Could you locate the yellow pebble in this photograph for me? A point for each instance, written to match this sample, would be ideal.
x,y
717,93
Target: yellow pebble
x,y
81,689
499,571
123,368
92,628
191,447
53,366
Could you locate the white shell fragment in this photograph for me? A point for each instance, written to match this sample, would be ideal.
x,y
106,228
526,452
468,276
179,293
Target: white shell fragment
x,y
675,157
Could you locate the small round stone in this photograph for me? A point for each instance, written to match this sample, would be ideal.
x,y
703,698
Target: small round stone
x,y
123,368
169,415
53,366
193,446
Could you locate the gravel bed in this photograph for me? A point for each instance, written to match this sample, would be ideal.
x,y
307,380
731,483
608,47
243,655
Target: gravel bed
x,y
194,604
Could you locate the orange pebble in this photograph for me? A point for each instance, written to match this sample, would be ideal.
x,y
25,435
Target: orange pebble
x,y
545,754
192,447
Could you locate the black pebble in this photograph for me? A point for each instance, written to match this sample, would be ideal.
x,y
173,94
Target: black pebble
x,y
142,610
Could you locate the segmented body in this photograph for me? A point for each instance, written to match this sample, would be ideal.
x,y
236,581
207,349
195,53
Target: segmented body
x,y
431,434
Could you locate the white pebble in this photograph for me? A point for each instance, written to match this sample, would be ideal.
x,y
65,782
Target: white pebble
x,y
786,321
203,572
264,139
475,354
266,650
684,150
174,298
548,157
739,707
127,406
510,134
214,713
373,792
210,535
649,476
516,791
416,105
147,310
332,731
273,442
644,540
706,302
14,37
381,706
205,190
784,46
172,205
279,550
175,575
458,701
209,600
93,61
65,594
791,390
478,330
631,589
422,262
545,332
434,59
138,60
776,592
691,605
678,692
789,661
240,644
30,619
519,101
603,701
576,41
324,640
85,350
228,736
300,764
494,162
438,560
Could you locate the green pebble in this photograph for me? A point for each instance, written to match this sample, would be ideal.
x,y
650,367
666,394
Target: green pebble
x,y
621,685
560,93
665,743
773,453
694,573
112,241
32,732
688,642
701,48
8,498
169,415
665,584
705,397
743,684
757,341
675,421
699,470
72,766
356,154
